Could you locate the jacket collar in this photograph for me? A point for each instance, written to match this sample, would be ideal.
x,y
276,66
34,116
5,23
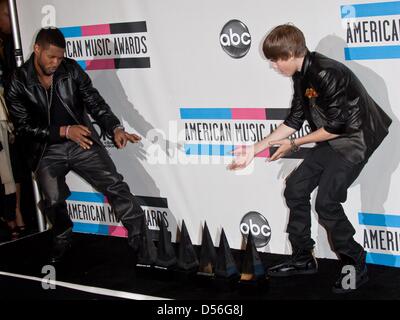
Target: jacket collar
x,y
32,78
306,63
305,67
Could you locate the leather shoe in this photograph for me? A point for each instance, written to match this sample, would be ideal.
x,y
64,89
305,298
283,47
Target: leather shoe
x,y
61,244
301,262
345,283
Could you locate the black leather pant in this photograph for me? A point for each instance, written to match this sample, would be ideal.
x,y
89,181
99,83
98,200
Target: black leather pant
x,y
326,169
97,168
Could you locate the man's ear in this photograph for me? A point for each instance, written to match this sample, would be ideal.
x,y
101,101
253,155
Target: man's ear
x,y
36,48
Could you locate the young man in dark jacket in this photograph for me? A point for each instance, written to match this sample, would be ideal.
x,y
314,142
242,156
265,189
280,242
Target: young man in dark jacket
x,y
49,99
347,126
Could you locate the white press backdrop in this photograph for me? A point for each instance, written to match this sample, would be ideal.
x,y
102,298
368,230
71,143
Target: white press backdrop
x,y
189,69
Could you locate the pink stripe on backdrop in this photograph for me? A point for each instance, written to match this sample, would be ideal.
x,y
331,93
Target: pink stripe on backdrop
x,y
248,113
100,64
105,199
117,231
97,29
263,154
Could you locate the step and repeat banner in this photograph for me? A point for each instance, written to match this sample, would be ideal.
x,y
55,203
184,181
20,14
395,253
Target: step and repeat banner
x,y
190,78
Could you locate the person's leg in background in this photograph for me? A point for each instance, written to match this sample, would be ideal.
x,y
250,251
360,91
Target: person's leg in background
x,y
7,184
19,219
7,212
18,173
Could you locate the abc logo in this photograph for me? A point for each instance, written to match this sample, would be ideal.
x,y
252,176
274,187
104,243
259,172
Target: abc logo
x,y
259,227
235,39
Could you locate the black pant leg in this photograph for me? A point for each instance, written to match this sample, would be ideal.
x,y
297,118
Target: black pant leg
x,y
97,168
51,181
299,186
332,192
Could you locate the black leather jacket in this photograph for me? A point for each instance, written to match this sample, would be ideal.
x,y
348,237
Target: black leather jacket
x,y
342,106
29,110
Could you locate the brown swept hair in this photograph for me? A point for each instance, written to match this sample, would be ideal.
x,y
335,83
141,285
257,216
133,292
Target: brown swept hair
x,y
283,42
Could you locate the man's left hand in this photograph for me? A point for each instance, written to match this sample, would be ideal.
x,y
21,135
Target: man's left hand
x,y
284,148
121,138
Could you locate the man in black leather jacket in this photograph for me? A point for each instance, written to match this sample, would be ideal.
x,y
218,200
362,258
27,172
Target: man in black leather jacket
x,y
347,126
50,98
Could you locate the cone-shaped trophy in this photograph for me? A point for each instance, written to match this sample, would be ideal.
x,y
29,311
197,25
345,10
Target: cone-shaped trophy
x,y
208,254
166,258
226,266
147,254
252,266
187,258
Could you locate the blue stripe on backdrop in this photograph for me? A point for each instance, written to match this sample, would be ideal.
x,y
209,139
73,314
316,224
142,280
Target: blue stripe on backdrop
x,y
373,52
206,113
82,63
389,260
86,197
71,32
91,228
209,149
370,9
379,220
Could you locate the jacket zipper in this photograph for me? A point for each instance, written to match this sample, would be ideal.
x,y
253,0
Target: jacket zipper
x,y
69,110
48,121
48,116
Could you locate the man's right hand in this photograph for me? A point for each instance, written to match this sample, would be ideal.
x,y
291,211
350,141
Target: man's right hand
x,y
80,134
243,156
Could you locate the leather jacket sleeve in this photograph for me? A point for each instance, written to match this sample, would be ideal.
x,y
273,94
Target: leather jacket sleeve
x,y
296,115
25,125
94,102
332,87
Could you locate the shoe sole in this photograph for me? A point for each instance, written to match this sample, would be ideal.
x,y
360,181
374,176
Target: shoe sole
x,y
291,273
338,290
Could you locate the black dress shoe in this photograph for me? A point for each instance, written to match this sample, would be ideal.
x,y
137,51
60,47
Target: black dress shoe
x,y
345,283
61,244
301,262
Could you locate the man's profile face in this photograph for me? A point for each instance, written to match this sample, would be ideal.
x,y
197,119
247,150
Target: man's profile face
x,y
48,58
286,68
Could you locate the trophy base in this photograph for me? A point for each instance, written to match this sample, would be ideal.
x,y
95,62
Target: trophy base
x,y
184,275
249,285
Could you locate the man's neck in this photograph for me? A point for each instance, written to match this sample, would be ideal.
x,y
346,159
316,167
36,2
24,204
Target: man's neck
x,y
299,63
44,79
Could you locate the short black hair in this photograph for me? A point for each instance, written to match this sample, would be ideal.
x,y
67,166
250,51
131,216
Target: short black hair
x,y
50,36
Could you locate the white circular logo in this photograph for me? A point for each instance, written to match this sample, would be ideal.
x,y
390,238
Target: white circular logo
x,y
259,227
235,39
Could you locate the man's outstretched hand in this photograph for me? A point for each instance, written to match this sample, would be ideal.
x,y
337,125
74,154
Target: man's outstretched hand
x,y
121,138
243,155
